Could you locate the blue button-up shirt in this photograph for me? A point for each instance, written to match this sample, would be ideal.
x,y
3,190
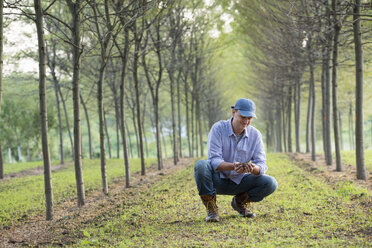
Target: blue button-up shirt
x,y
223,146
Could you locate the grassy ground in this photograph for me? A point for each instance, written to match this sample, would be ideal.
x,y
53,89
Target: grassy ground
x,y
17,167
304,211
24,196
349,158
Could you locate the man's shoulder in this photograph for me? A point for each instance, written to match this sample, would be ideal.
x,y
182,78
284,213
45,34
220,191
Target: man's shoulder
x,y
253,131
222,124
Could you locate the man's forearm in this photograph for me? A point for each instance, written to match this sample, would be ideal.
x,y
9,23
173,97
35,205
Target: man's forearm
x,y
248,168
226,166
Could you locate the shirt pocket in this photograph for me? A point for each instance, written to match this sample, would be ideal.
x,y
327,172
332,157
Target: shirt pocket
x,y
243,155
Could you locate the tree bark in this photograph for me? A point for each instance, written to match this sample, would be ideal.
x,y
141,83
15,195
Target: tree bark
x,y
124,56
1,78
43,110
359,118
336,130
88,126
289,119
298,88
107,134
327,95
75,9
312,125
67,121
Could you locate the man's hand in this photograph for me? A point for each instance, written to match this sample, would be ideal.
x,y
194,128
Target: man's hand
x,y
246,168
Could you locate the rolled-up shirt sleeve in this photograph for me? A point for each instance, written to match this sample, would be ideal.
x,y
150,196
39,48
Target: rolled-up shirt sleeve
x,y
215,147
259,156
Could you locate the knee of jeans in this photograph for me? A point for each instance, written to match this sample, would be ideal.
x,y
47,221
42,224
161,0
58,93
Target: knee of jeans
x,y
272,184
201,167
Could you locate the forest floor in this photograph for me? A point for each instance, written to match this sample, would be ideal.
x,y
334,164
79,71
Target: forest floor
x,y
313,206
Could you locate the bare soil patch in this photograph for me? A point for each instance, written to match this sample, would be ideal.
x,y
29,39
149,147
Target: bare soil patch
x,y
68,218
36,171
320,168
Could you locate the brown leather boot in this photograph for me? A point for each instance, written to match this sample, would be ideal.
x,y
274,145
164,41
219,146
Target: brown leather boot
x,y
241,204
211,206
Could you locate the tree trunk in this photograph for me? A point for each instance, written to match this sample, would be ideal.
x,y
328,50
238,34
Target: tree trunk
x,y
279,147
122,109
289,120
107,134
179,116
75,9
351,127
88,126
173,114
327,86
308,120
67,122
43,110
61,156
284,121
187,118
336,130
312,125
298,113
117,122
200,129
340,127
359,139
1,79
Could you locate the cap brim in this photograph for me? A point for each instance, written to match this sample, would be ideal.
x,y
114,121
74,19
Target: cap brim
x,y
246,113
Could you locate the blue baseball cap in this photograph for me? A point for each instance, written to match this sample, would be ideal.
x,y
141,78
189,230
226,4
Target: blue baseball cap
x,y
246,107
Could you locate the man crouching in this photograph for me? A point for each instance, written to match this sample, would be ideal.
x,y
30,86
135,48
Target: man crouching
x,y
236,163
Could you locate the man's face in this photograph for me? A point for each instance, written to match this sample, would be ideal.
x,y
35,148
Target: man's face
x,y
240,122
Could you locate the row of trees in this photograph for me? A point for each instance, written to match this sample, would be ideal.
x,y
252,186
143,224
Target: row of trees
x,y
295,41
123,51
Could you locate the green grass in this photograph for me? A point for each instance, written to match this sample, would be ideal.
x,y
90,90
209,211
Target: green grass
x,y
17,167
304,211
348,157
20,197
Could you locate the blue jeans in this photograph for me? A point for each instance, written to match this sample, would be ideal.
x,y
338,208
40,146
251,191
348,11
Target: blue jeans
x,y
209,183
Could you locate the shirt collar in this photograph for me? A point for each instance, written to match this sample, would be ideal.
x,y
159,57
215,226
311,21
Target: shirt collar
x,y
231,131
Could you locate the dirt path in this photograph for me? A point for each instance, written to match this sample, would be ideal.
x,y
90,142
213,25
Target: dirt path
x,y
36,171
68,218
329,172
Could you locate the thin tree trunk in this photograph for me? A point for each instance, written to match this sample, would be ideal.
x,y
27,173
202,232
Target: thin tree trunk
x,y
75,9
117,122
187,118
107,134
289,116
351,127
198,112
308,120
1,164
192,126
67,122
279,147
298,88
1,79
336,130
340,127
43,111
173,114
327,85
88,126
359,119
122,109
312,125
284,121
61,156
179,116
